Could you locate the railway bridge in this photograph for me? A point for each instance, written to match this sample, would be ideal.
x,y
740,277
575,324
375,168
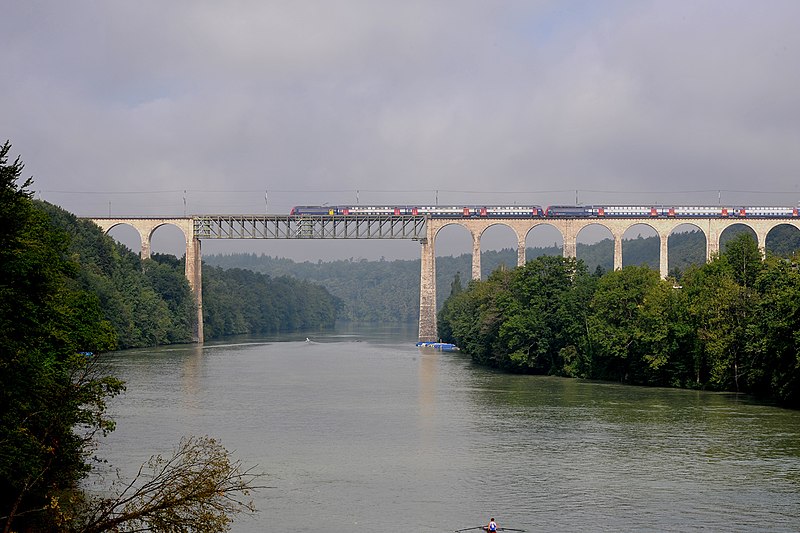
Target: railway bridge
x,y
421,228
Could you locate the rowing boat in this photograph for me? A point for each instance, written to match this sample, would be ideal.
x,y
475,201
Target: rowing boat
x,y
485,528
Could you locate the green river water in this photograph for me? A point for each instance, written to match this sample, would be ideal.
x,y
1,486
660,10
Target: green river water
x,y
359,430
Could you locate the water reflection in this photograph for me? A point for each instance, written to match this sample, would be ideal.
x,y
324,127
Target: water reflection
x,y
427,388
192,373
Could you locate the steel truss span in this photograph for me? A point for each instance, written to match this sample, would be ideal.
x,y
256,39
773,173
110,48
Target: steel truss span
x,y
309,227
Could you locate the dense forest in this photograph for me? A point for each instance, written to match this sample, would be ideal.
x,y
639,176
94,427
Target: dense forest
x,y
148,302
388,291
66,292
731,324
239,301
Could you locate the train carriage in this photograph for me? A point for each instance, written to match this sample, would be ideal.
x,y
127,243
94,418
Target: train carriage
x,y
553,211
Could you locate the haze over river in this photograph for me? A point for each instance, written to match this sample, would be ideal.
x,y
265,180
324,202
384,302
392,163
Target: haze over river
x,y
359,430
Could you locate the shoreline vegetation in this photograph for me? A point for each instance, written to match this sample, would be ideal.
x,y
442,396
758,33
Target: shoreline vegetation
x,y
730,325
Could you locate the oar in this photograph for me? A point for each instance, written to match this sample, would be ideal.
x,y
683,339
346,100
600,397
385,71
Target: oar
x,y
484,527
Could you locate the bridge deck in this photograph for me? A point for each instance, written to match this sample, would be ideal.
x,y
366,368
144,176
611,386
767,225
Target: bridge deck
x,y
309,227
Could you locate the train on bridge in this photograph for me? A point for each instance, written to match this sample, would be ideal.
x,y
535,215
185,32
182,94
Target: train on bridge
x,y
553,211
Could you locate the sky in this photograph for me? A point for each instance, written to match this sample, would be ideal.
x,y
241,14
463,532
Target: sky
x,y
193,106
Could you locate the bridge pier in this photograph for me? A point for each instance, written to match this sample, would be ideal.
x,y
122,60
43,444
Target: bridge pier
x,y
476,256
663,256
427,290
521,249
194,273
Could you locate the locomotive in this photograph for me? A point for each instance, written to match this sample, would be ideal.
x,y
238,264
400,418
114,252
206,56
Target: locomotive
x,y
553,211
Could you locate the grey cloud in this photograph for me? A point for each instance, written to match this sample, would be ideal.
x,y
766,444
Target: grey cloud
x,y
631,98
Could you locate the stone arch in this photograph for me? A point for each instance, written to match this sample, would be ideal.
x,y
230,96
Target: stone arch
x,y
787,232
685,238
465,230
172,235
445,223
193,263
607,250
126,240
442,270
646,250
186,236
537,227
735,228
630,225
146,227
488,263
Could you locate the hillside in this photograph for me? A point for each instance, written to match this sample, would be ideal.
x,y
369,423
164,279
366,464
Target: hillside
x,y
149,302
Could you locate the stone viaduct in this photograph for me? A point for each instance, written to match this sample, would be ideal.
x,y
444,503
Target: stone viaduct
x,y
193,270
569,228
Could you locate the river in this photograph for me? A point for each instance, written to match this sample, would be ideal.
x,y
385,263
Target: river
x,y
359,430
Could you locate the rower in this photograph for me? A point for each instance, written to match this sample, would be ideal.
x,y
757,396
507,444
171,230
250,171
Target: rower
x,y
491,526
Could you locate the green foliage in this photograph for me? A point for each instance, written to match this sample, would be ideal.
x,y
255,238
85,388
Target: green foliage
x,y
49,390
731,325
149,302
197,489
524,319
58,280
630,325
240,301
146,302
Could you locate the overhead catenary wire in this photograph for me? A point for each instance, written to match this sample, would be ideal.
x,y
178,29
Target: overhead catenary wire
x,y
414,191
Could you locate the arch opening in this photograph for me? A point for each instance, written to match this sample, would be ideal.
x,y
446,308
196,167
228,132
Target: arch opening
x,y
543,239
168,239
783,240
687,245
595,246
498,248
641,245
732,232
127,236
453,251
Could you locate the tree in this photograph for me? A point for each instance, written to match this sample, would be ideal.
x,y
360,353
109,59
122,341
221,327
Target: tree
x,y
197,489
743,258
48,388
456,287
774,350
627,326
542,315
53,396
722,300
472,318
